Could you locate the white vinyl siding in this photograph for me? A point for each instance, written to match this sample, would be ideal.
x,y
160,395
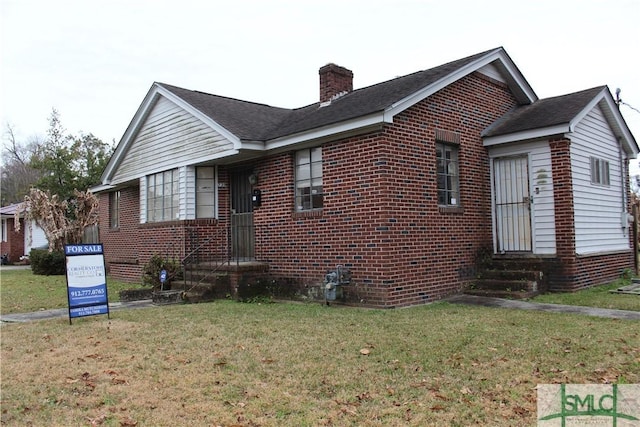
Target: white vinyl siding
x,y
540,180
34,237
598,208
114,209
170,137
188,193
143,199
185,194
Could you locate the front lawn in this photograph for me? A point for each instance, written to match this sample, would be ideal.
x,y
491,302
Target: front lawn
x,y
22,291
597,296
289,364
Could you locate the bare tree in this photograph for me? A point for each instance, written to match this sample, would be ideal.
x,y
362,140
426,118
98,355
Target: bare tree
x,y
16,172
63,221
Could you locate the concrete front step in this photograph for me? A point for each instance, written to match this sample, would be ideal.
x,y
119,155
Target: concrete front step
x,y
202,291
207,276
167,297
494,293
509,276
505,285
500,274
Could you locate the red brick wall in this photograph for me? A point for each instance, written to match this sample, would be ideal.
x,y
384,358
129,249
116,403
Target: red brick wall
x,y
597,269
563,275
14,246
381,218
121,245
128,247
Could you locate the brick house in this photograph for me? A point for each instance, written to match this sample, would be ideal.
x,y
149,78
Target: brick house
x,y
415,184
18,243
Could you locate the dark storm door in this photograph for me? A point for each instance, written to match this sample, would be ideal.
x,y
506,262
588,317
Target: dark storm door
x,y
242,230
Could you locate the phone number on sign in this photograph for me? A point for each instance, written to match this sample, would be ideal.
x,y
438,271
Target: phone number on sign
x,y
87,293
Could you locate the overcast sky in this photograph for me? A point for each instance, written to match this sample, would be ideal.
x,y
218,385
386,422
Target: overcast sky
x,y
94,61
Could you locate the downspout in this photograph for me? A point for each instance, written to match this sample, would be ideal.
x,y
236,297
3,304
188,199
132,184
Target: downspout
x,y
625,218
622,170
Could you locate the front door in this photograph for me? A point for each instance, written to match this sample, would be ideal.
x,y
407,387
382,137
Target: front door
x,y
242,231
512,204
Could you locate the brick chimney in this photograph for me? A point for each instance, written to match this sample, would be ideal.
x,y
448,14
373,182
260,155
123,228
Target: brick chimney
x,y
334,79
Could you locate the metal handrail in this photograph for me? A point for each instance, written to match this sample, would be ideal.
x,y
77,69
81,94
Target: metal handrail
x,y
216,250
200,246
199,255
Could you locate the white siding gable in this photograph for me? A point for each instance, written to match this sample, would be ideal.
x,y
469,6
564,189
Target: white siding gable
x,y
170,137
490,70
598,208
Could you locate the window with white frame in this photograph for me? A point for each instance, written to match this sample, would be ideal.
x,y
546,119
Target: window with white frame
x,y
163,196
308,179
114,209
4,229
205,192
447,172
599,171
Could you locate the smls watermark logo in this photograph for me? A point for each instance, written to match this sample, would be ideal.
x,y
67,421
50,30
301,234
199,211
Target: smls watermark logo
x,y
616,405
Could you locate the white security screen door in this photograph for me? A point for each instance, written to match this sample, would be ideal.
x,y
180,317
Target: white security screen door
x,y
512,204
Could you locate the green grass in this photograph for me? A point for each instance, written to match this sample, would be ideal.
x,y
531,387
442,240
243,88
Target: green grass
x,y
288,364
291,364
598,296
22,291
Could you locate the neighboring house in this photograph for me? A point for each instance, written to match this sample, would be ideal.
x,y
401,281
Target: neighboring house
x,y
19,243
413,184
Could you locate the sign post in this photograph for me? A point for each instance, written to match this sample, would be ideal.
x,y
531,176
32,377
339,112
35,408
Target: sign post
x,y
86,280
163,278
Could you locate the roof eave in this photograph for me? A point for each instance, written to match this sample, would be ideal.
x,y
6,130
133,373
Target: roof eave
x,y
100,188
356,125
526,135
612,113
617,122
521,88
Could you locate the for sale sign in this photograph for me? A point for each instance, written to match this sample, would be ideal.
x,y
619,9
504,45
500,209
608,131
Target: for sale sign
x,y
86,280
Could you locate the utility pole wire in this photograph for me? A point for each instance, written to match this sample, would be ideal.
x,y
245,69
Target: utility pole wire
x,y
633,108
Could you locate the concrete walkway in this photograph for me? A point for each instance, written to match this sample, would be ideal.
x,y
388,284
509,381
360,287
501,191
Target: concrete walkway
x,y
553,308
457,299
64,312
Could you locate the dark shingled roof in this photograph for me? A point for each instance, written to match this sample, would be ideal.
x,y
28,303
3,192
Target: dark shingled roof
x,y
543,113
246,120
260,122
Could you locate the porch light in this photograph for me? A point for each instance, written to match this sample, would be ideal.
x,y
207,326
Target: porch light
x,y
253,179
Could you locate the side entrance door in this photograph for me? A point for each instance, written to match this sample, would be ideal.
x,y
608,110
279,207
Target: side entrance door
x,y
512,204
242,230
